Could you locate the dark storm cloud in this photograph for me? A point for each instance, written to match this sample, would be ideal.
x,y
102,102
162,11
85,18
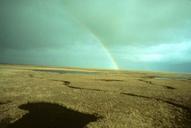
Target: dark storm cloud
x,y
135,21
30,24
61,32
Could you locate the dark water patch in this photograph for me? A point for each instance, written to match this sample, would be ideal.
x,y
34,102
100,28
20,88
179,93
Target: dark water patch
x,y
163,78
110,80
85,88
1,103
67,83
68,72
49,115
149,82
4,102
80,88
159,99
172,78
168,87
131,94
149,77
31,75
146,81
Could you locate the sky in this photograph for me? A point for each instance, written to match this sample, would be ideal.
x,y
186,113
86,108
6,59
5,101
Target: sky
x,y
108,34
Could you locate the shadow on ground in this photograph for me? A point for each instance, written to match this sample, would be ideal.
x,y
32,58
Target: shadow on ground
x,y
48,115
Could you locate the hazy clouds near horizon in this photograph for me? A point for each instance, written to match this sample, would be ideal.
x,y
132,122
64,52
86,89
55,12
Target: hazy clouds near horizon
x,y
139,34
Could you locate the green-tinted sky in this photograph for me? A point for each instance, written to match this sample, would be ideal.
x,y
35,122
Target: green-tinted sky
x,y
124,34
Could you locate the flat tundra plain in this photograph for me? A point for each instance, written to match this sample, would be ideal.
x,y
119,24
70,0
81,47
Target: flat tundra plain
x,y
52,97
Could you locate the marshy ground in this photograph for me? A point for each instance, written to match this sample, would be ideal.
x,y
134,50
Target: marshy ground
x,y
49,97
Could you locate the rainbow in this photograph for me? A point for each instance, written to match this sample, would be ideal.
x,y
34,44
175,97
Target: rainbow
x,y
94,36
106,50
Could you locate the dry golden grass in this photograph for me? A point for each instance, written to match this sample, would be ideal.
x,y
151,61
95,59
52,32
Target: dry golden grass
x,y
119,99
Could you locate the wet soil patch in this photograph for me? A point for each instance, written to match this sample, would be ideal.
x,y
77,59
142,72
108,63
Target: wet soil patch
x,y
110,80
49,115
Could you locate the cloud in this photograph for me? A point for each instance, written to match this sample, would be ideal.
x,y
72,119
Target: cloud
x,y
137,33
134,21
171,53
164,56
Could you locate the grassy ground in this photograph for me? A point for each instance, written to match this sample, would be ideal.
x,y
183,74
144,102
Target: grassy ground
x,y
65,97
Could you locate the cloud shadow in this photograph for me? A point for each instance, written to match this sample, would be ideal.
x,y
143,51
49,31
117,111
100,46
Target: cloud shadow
x,y
49,115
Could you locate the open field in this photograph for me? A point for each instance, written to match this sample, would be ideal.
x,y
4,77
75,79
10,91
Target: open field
x,y
44,97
